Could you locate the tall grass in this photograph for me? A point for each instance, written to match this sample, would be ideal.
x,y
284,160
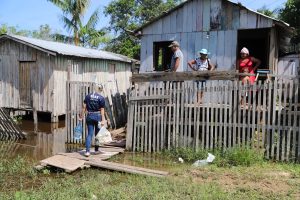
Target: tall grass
x,y
18,165
243,156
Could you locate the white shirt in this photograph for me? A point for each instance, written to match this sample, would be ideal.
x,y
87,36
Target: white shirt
x,y
202,65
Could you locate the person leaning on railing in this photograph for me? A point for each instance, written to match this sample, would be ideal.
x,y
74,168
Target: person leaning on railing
x,y
177,58
247,64
201,63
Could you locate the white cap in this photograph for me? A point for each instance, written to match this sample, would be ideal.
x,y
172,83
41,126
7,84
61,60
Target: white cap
x,y
245,50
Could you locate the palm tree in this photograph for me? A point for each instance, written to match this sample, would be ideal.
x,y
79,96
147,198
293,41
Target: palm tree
x,y
73,13
88,34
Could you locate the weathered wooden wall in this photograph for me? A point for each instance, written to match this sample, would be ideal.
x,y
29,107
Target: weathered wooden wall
x,y
47,75
88,70
210,24
40,75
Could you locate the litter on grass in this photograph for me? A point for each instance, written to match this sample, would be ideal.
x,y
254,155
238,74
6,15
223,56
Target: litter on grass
x,y
200,163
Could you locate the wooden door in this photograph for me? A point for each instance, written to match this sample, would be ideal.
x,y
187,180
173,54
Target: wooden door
x,y
25,83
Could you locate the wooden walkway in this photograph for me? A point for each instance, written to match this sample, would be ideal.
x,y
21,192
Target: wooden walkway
x,y
71,162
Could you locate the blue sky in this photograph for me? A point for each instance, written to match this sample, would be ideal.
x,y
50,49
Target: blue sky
x,y
30,14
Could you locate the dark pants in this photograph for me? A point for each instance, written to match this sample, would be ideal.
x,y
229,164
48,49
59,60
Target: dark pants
x,y
93,128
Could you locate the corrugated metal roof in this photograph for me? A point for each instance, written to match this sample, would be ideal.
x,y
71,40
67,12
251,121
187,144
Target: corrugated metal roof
x,y
67,49
187,1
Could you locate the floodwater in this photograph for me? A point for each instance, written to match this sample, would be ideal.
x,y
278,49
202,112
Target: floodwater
x,y
47,140
146,160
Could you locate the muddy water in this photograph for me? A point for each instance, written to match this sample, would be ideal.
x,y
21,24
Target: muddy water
x,y
47,140
146,160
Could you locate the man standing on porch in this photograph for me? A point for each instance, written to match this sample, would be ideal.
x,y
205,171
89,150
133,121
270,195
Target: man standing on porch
x,y
177,58
94,105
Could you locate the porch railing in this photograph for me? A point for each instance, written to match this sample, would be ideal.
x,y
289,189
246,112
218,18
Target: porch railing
x,y
167,114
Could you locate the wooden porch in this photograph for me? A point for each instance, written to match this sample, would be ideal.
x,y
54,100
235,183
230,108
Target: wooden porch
x,y
166,114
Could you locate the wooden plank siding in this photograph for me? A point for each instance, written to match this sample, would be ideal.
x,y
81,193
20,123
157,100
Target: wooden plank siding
x,y
201,24
48,75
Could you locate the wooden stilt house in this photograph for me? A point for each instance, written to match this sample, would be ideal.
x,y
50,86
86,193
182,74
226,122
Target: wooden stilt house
x,y
221,26
33,72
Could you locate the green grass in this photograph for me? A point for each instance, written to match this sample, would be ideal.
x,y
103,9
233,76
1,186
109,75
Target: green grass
x,y
232,157
257,180
19,165
94,184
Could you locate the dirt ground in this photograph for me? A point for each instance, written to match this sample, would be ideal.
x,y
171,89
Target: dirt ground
x,y
260,179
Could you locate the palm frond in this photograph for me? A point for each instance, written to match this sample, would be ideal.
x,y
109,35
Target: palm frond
x,y
68,24
62,4
92,22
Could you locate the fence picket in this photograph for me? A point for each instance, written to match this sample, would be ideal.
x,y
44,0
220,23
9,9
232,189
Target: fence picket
x,y
269,120
296,87
184,107
259,111
289,120
234,108
278,127
151,121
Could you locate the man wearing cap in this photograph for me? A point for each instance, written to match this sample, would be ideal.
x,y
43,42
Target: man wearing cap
x,y
201,63
177,58
94,105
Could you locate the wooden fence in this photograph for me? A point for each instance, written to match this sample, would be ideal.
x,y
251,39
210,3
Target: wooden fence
x,y
165,115
115,106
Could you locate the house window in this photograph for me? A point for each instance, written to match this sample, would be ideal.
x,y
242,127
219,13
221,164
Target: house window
x,y
112,72
77,67
162,55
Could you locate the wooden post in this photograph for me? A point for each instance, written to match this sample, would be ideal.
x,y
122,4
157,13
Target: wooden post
x,y
35,119
54,118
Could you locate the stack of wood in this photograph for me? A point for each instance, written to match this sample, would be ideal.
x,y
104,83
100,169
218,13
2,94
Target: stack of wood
x,y
9,130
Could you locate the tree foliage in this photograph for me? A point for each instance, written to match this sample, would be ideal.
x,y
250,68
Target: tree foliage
x,y
127,15
271,13
73,17
290,14
5,29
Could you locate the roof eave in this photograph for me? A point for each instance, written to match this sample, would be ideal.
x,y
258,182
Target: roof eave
x,y
28,44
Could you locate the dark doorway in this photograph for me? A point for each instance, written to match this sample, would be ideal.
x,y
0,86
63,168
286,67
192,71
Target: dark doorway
x,y
257,41
26,83
162,55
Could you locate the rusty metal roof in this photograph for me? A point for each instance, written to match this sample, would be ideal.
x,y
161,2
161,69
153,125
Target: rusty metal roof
x,y
67,49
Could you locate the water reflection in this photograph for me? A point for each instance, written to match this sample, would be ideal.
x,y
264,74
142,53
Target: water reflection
x,y
48,140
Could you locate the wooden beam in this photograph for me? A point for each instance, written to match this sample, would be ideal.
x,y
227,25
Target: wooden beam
x,y
142,98
126,168
184,76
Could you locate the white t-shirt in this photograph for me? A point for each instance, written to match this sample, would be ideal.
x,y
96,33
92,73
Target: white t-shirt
x,y
177,54
202,65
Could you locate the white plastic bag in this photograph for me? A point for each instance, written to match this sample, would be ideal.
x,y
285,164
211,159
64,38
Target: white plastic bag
x,y
103,136
200,163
